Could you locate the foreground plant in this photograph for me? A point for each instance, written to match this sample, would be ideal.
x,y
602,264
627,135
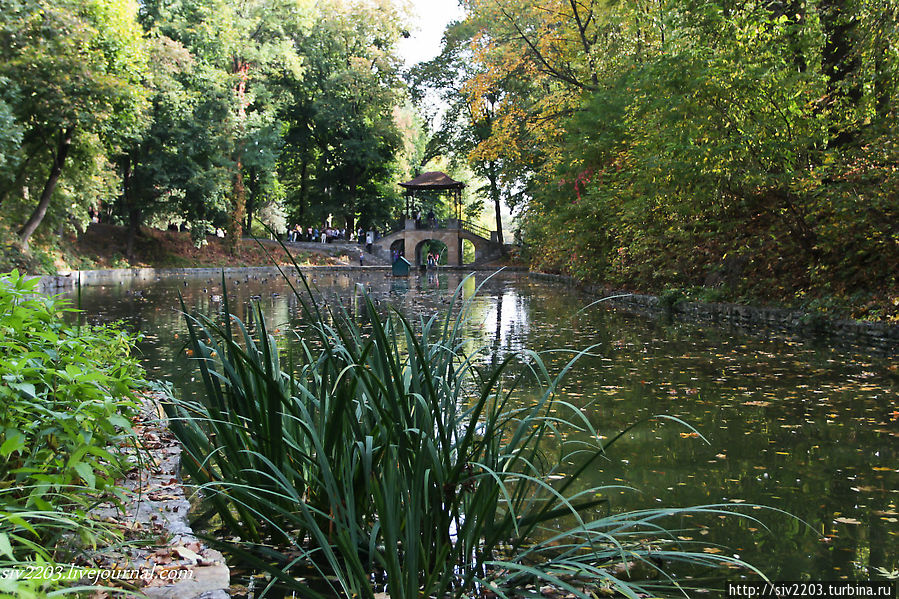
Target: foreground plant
x,y
65,402
385,451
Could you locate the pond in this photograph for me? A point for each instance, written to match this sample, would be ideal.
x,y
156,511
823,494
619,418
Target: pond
x,y
806,428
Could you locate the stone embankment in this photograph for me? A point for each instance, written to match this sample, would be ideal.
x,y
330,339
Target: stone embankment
x,y
167,560
113,276
56,283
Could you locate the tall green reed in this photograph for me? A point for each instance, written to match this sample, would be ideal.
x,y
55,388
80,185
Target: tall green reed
x,y
383,449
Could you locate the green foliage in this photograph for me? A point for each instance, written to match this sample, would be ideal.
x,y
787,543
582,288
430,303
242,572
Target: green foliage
x,y
388,448
180,168
65,405
201,111
675,143
468,119
10,129
342,140
77,68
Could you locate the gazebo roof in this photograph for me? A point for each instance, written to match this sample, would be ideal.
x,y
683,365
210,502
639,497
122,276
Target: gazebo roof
x,y
433,180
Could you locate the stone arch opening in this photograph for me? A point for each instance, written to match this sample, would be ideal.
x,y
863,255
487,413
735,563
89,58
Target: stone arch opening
x,y
431,246
397,249
469,251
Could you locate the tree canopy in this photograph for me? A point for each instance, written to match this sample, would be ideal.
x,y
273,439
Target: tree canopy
x,y
201,112
685,143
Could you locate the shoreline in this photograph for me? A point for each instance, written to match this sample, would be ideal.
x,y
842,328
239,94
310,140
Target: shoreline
x,y
878,335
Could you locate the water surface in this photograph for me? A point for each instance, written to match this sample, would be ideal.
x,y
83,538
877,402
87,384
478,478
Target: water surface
x,y
803,427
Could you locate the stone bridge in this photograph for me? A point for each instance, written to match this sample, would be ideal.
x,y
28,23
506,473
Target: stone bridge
x,y
411,238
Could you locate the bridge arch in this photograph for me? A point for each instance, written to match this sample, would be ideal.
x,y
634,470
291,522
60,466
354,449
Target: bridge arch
x,y
425,246
398,248
412,239
469,251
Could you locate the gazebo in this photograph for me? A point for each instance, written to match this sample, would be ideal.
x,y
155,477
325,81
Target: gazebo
x,y
433,181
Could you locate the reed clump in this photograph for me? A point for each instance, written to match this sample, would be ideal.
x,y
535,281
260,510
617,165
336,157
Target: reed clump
x,y
382,455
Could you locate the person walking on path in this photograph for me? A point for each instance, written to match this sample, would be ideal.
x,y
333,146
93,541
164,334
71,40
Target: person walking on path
x,y
361,257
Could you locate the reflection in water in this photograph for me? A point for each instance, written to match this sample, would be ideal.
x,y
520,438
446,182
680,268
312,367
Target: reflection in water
x,y
808,429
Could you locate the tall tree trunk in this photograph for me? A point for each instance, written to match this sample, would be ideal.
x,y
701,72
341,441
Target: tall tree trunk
x,y
238,191
135,214
304,188
238,210
59,157
497,200
349,209
839,62
252,198
350,219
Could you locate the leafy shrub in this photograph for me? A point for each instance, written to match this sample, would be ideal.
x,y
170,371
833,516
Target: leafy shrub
x,y
65,402
388,449
670,298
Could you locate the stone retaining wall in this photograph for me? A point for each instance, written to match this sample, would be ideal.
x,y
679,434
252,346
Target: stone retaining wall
x,y
56,283
172,561
879,335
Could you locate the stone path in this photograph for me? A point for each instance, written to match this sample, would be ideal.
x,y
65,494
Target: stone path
x,y
351,249
177,565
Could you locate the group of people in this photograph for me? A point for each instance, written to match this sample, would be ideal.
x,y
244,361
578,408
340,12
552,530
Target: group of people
x,y
324,235
431,222
433,259
329,234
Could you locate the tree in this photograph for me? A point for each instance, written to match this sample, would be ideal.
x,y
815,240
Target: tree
x,y
342,138
10,129
78,68
250,44
656,142
469,117
181,164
